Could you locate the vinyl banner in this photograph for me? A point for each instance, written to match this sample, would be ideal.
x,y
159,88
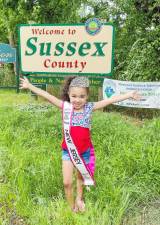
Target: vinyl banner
x,y
149,91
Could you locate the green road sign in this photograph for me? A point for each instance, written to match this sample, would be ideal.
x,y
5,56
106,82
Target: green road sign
x,y
60,80
66,49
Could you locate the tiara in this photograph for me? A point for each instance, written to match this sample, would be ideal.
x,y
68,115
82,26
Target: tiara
x,y
79,82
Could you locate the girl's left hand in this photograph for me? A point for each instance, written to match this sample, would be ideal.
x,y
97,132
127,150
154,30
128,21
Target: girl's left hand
x,y
135,95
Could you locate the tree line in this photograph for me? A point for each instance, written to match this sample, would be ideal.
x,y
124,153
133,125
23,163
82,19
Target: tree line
x,y
137,25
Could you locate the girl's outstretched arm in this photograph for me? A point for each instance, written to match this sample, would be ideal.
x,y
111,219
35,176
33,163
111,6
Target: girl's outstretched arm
x,y
101,104
25,84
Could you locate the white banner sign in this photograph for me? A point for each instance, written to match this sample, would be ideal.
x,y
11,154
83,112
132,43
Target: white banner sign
x,y
150,92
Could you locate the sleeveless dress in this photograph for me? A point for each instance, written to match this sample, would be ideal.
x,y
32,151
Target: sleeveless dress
x,y
80,132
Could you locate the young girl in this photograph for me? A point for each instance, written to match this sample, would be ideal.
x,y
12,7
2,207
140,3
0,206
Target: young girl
x,y
77,148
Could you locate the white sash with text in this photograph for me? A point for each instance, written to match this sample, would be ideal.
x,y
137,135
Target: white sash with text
x,y
74,155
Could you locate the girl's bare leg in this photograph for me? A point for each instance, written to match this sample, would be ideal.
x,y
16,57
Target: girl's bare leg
x,y
79,199
67,169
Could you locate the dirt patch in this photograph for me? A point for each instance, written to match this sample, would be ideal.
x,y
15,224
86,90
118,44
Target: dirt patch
x,y
149,215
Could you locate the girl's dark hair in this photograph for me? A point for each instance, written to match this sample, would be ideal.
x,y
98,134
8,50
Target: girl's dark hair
x,y
65,96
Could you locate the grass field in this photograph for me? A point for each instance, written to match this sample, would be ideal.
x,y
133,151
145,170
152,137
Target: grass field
x,y
127,167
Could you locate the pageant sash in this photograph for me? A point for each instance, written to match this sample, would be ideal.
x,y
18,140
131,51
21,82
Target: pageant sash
x,y
78,162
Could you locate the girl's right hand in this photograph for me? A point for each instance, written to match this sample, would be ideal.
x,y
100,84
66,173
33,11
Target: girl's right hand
x,y
135,95
24,83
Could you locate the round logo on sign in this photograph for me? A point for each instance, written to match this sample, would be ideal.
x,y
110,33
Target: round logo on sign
x,y
93,26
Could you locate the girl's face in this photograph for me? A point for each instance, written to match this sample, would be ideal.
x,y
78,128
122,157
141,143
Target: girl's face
x,y
78,97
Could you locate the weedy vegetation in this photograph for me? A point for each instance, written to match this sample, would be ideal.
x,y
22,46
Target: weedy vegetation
x,y
127,166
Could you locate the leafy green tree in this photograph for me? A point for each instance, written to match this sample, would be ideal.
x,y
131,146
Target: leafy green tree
x,y
137,51
34,11
37,11
140,36
136,24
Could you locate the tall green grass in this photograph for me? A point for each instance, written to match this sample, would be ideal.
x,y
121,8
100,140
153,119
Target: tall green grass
x,y
127,166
